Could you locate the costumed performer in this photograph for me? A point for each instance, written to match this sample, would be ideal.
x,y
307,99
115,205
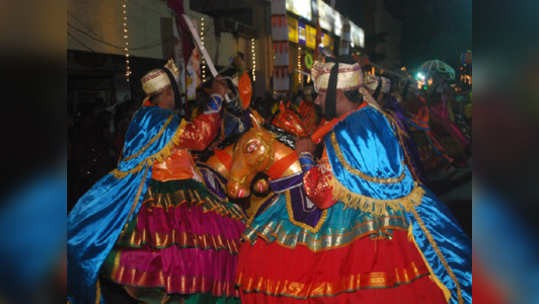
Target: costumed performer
x,y
150,224
382,237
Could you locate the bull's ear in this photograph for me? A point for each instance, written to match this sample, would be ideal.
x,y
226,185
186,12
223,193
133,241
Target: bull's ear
x,y
256,119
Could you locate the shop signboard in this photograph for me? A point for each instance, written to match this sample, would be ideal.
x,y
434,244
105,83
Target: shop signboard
x,y
301,33
310,40
327,41
326,15
300,7
357,35
293,29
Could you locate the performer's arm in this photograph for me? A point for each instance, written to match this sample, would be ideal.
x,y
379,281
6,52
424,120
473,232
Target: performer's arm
x,y
199,133
316,182
316,176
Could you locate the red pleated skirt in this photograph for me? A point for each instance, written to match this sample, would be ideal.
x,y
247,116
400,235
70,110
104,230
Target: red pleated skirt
x,y
364,271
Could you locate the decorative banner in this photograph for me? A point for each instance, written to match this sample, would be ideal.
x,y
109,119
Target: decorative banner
x,y
278,7
280,51
280,33
308,60
192,73
310,40
301,33
281,79
279,28
293,29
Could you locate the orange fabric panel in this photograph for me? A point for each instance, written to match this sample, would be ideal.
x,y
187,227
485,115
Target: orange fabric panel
x,y
179,165
279,167
245,89
224,157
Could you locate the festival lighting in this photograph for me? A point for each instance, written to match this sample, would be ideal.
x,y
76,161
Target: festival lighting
x,y
203,62
253,58
126,40
299,66
420,76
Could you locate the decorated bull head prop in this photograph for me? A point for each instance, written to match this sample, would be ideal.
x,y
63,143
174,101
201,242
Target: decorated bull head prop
x,y
289,121
257,151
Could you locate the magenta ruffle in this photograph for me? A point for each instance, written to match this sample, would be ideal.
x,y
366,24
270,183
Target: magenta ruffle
x,y
178,270
184,225
184,248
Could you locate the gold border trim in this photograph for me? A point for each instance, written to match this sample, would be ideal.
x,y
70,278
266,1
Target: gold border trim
x,y
312,229
139,191
433,277
438,253
350,283
152,140
355,171
98,292
116,264
373,205
260,203
158,156
317,244
133,277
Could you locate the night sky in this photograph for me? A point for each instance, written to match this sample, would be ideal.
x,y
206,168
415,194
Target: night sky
x,y
432,29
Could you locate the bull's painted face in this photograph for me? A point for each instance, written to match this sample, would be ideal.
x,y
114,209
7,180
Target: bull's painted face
x,y
289,121
253,153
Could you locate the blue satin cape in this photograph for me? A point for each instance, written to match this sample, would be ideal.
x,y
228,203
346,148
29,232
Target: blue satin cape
x,y
363,147
367,143
97,219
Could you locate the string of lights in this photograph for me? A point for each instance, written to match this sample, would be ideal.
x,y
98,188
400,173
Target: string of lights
x,y
126,40
203,61
299,67
253,58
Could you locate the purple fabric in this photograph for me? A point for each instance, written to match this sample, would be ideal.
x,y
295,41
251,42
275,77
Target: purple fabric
x,y
212,179
303,209
286,183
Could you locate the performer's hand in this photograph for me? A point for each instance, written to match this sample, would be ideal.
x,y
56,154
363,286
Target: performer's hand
x,y
305,144
218,86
